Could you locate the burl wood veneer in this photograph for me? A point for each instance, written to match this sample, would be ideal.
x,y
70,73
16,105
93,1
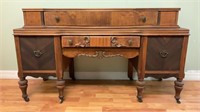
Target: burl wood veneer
x,y
149,38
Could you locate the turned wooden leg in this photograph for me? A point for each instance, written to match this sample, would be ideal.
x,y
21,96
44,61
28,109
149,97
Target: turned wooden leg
x,y
23,84
71,69
61,86
140,88
130,69
178,85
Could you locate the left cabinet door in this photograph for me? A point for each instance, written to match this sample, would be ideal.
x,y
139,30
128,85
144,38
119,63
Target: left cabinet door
x,y
37,53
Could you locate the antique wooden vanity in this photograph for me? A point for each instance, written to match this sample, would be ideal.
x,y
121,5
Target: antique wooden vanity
x,y
149,38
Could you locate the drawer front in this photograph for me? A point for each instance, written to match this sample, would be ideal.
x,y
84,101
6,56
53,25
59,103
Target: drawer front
x,y
37,53
164,53
100,18
135,18
100,41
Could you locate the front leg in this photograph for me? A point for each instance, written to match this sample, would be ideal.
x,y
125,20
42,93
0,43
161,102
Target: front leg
x,y
178,85
140,89
23,84
61,86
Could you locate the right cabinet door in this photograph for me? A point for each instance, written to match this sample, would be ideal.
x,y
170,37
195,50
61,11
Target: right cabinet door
x,y
163,53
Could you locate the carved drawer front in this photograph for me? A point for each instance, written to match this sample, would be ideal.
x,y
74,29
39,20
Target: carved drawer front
x,y
100,41
37,53
164,53
100,18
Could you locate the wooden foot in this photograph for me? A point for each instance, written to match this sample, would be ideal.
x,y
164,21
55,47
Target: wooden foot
x,y
23,84
61,86
139,99
71,69
178,85
61,99
130,69
140,88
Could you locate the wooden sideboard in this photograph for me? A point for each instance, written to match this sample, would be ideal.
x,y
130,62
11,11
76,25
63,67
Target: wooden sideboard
x,y
149,38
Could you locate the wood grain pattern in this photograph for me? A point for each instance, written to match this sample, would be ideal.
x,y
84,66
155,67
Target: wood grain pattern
x,y
102,17
101,41
45,45
33,18
170,45
168,18
99,96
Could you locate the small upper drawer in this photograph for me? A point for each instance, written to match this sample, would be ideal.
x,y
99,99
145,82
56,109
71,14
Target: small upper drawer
x,y
100,41
101,18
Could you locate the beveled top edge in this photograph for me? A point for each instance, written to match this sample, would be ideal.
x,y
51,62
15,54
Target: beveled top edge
x,y
99,9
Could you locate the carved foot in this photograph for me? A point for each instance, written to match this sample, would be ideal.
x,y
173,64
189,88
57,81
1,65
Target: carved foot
x,y
178,101
61,99
61,86
140,88
139,99
178,85
23,84
26,98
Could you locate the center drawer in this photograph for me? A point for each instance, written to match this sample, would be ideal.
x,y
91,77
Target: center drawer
x,y
100,41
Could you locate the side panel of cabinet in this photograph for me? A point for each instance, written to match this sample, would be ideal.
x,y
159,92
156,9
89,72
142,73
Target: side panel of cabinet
x,y
37,53
164,53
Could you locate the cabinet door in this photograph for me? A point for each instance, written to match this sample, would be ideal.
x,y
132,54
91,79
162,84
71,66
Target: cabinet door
x,y
164,53
37,53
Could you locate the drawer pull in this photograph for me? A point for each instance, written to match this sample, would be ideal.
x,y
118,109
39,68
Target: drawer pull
x,y
114,42
87,39
70,42
85,43
57,19
37,53
143,19
164,53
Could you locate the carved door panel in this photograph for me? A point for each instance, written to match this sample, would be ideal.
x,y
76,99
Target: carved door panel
x,y
164,53
37,53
